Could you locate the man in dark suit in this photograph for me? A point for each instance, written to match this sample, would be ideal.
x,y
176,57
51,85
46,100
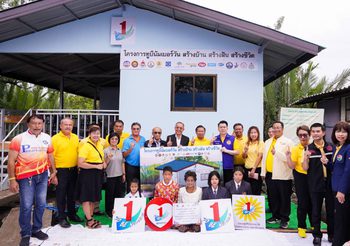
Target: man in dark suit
x,y
237,186
155,140
178,139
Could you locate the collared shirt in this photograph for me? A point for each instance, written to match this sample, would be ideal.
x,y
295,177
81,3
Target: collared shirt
x,y
33,153
178,140
124,136
65,150
215,191
90,154
228,143
133,158
200,142
297,156
238,185
254,149
315,174
239,145
269,158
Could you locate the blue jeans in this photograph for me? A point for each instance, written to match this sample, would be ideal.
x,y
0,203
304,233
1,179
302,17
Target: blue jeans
x,y
32,191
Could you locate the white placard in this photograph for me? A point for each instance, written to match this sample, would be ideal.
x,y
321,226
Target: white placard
x,y
186,213
294,117
122,31
248,211
216,216
128,215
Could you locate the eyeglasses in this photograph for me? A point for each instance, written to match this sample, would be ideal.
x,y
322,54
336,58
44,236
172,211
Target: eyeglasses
x,y
157,132
303,135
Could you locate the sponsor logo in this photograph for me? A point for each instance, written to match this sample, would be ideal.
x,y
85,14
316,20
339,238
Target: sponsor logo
x,y
211,64
126,64
251,66
229,65
168,63
45,142
150,64
179,63
143,64
202,64
191,64
134,64
220,64
244,65
159,63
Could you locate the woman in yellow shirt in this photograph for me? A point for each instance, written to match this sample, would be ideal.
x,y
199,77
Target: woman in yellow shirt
x,y
91,163
252,154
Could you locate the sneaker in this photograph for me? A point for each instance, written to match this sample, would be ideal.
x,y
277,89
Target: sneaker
x,y
317,241
40,235
302,232
273,220
64,223
284,224
24,241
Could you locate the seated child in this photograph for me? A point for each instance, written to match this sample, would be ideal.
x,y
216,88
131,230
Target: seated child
x,y
214,191
134,189
167,188
237,186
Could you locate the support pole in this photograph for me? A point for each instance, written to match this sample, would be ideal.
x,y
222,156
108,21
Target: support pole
x,y
62,93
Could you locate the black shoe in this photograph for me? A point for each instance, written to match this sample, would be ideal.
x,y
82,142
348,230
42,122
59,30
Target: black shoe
x,y
317,241
64,223
273,220
75,218
330,238
40,235
284,224
268,210
24,241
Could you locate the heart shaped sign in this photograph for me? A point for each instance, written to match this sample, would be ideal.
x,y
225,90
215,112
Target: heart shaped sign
x,y
159,214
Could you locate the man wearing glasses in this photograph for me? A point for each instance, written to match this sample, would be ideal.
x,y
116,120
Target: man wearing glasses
x,y
131,153
155,140
178,139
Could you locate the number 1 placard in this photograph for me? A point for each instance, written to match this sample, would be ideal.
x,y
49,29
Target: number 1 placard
x,y
216,216
128,215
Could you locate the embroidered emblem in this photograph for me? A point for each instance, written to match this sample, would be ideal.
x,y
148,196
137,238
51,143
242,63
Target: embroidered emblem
x,y
228,142
339,157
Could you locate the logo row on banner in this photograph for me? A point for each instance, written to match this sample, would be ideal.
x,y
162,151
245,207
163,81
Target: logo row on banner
x,y
160,214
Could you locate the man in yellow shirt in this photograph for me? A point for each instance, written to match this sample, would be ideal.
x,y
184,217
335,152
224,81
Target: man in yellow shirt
x,y
118,127
200,140
239,144
65,144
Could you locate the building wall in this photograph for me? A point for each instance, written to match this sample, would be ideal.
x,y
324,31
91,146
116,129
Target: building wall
x,y
332,114
145,94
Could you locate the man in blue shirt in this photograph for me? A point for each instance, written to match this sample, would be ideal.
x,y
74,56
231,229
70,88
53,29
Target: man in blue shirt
x,y
131,153
226,141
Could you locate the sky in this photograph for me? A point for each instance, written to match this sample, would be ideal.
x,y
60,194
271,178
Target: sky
x,y
326,23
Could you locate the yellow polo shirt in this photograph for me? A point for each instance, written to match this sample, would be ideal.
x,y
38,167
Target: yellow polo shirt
x,y
297,156
124,136
90,154
254,149
65,150
239,145
269,157
200,142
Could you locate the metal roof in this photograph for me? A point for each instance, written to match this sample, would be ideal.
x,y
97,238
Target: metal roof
x,y
323,96
282,52
178,165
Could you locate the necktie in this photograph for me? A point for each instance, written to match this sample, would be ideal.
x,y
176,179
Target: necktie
x,y
238,186
323,154
214,192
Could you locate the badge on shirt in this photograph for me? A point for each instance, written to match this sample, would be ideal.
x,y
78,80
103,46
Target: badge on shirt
x,y
339,157
329,148
228,142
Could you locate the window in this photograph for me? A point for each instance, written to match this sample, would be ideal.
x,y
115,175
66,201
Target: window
x,y
193,92
347,109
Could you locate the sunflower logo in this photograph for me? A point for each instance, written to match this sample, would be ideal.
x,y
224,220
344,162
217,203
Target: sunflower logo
x,y
248,208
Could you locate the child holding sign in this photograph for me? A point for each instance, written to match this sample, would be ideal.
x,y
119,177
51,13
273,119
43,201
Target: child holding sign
x,y
134,189
167,188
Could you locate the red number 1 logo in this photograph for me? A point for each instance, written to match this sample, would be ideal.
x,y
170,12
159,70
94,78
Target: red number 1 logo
x,y
128,211
123,24
215,208
160,211
248,206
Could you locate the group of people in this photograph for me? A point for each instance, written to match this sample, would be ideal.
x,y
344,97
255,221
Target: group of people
x,y
79,169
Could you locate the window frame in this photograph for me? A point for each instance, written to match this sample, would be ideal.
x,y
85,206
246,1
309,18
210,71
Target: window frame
x,y
193,109
347,109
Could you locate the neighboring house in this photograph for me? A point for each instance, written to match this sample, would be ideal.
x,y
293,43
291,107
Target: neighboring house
x,y
180,167
336,105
